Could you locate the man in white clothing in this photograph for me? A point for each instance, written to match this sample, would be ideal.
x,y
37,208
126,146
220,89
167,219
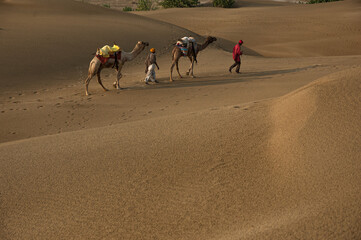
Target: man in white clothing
x,y
150,64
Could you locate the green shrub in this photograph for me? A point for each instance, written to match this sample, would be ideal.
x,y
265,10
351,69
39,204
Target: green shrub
x,y
127,9
320,1
223,3
179,3
144,5
106,5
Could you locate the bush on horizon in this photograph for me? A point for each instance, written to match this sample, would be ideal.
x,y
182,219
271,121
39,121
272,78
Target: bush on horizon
x,y
179,3
144,5
320,1
223,3
127,9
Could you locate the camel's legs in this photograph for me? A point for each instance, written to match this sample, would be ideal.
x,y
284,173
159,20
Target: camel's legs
x,y
93,69
116,84
176,56
90,76
119,76
192,66
100,81
190,70
178,69
171,71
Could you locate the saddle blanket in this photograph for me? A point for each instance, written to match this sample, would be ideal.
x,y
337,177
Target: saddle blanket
x,y
104,60
183,49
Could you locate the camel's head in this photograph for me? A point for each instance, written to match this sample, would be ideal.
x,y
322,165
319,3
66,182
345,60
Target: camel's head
x,y
211,39
141,43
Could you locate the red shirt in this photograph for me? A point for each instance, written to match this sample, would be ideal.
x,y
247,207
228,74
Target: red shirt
x,y
237,53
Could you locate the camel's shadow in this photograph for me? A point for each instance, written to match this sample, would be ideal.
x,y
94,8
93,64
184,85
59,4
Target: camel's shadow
x,y
219,79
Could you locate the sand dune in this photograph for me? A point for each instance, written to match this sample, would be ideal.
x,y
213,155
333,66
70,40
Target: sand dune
x,y
236,176
50,42
272,153
294,30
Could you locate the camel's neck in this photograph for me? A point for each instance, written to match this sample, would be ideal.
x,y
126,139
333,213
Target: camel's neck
x,y
129,56
203,46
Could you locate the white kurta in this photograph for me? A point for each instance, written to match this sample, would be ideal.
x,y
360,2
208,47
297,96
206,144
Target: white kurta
x,y
151,73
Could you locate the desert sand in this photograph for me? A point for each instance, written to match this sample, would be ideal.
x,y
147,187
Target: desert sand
x,y
271,153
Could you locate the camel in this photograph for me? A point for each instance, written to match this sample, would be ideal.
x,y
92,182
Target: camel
x,y
95,66
177,54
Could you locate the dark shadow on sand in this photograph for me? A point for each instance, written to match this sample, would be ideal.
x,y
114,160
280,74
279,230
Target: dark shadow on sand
x,y
215,80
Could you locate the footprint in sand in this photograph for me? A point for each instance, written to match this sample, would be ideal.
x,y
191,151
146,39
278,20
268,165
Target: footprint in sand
x,y
236,107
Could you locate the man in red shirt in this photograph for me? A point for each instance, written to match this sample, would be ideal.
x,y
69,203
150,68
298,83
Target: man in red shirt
x,y
237,56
